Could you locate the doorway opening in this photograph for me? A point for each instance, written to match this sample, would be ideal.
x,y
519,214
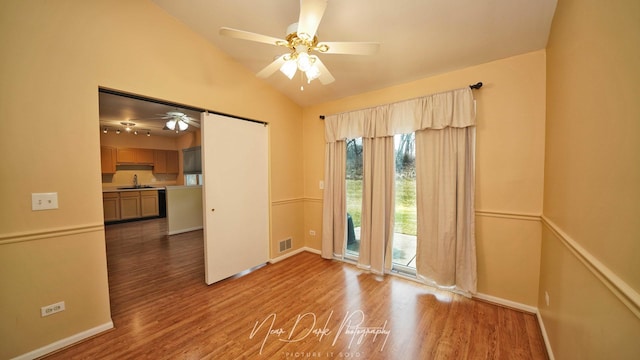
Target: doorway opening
x,y
140,158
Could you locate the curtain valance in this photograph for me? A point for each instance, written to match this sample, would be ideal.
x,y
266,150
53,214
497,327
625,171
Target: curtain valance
x,y
453,108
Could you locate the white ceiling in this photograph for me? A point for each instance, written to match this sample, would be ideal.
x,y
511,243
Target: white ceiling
x,y
419,38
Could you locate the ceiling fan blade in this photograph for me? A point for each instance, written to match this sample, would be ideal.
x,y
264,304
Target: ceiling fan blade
x,y
351,48
271,68
246,35
311,12
325,76
193,123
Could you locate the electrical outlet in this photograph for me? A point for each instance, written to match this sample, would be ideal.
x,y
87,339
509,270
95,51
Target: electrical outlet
x,y
52,309
312,232
546,298
44,201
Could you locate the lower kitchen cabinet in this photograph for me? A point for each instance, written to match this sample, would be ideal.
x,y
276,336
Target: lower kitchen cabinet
x,y
149,203
111,206
129,205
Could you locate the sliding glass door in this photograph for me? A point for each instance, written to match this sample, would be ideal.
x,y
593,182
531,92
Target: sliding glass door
x,y
354,197
405,226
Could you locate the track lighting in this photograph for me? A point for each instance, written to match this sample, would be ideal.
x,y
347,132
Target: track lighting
x,y
128,128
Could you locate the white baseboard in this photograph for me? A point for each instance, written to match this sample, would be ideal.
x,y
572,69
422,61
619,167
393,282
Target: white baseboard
x,y
312,250
506,303
292,253
65,342
180,231
545,337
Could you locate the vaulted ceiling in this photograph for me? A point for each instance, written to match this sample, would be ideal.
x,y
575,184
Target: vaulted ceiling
x,y
419,38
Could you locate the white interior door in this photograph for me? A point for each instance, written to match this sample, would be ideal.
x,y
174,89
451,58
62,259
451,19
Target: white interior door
x,y
235,195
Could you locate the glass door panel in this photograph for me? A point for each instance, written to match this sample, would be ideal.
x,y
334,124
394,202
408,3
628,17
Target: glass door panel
x,y
354,197
405,226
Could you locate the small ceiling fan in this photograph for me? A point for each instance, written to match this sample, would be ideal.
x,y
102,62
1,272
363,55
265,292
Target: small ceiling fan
x,y
175,121
178,121
302,42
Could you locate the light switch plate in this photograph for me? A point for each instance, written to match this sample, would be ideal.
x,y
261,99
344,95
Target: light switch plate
x,y
44,201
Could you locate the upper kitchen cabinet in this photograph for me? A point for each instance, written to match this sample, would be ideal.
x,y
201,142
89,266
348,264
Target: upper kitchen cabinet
x,y
165,162
172,162
135,156
108,159
160,162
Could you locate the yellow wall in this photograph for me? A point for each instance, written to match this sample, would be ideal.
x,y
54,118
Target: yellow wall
x,y
55,55
510,155
184,209
592,178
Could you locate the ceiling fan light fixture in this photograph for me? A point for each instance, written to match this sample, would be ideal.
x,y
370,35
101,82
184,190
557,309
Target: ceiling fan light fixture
x,y
302,41
313,73
182,125
304,61
171,124
289,68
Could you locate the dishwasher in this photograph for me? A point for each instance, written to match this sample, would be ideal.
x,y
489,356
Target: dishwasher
x,y
162,203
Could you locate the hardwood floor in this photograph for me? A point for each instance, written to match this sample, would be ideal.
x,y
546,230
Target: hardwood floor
x,y
304,307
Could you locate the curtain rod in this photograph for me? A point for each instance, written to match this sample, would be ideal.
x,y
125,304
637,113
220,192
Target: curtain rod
x,y
475,86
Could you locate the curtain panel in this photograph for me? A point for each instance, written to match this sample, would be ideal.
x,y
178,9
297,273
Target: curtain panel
x,y
442,114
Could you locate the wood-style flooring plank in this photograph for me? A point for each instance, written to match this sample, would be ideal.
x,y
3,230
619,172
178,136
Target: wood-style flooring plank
x,y
304,307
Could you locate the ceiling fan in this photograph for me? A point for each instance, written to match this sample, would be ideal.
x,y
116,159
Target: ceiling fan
x,y
178,121
175,121
302,42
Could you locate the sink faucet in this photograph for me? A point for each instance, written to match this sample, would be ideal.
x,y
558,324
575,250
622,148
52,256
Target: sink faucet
x,y
135,180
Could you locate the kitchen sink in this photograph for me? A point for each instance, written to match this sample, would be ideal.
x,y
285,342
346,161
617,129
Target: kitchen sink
x,y
135,187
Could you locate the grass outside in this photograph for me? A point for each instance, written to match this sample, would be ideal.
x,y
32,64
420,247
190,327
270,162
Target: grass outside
x,y
405,216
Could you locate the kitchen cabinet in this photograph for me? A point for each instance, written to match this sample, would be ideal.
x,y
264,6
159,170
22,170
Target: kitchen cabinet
x,y
126,156
135,156
144,156
111,206
149,203
108,159
172,162
165,162
160,162
129,205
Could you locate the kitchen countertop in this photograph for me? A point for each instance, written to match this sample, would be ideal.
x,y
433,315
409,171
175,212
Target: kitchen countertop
x,y
138,189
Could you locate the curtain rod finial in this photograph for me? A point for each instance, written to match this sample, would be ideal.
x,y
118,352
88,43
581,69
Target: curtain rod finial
x,y
477,85
321,117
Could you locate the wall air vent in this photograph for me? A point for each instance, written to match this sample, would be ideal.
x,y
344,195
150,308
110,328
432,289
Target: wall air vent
x,y
285,244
